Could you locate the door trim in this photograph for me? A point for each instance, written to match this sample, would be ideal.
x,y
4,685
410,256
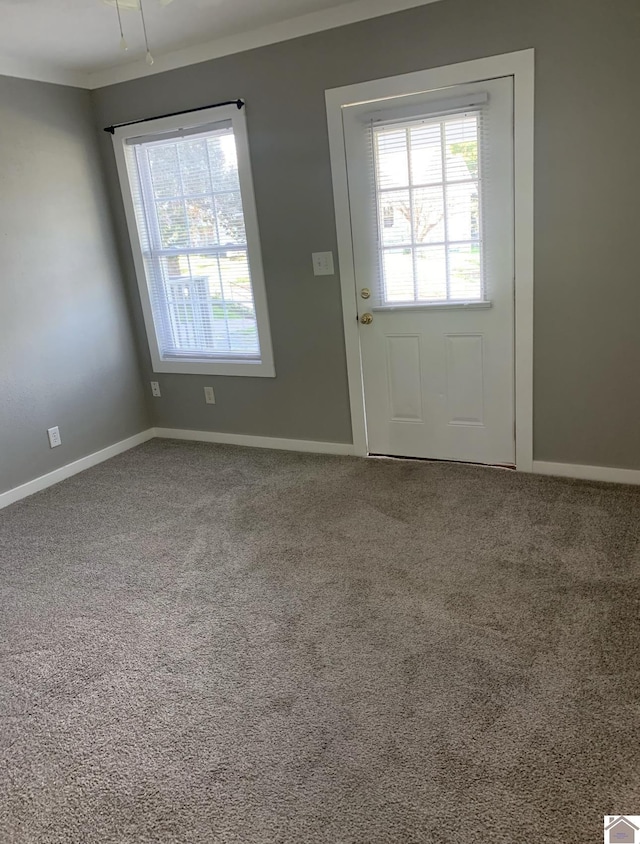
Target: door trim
x,y
520,65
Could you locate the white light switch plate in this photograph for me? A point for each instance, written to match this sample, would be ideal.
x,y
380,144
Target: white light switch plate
x,y
322,263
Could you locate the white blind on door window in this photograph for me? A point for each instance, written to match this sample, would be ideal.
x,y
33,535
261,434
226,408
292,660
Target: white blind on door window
x,y
428,196
188,207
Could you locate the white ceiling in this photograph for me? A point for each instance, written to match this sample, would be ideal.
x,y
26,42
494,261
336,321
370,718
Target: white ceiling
x,y
77,41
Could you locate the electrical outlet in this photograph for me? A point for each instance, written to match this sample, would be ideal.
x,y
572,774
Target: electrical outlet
x,y
209,395
155,389
54,437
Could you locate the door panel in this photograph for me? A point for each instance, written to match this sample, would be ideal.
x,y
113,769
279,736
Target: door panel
x,y
431,200
404,377
465,379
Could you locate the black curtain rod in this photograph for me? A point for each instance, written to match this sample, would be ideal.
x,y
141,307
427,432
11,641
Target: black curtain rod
x,y
112,129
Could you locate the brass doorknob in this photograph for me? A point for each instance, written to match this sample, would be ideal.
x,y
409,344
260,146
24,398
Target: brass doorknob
x,y
366,319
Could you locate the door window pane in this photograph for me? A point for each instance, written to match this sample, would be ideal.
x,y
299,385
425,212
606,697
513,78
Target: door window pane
x,y
464,272
426,154
392,169
398,275
395,217
431,273
428,194
428,215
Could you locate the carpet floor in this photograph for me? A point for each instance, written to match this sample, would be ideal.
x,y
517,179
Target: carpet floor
x,y
214,644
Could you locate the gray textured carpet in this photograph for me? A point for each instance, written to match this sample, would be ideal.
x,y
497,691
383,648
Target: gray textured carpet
x,y
213,644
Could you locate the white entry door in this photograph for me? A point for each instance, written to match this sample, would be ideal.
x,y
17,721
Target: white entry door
x,y
430,180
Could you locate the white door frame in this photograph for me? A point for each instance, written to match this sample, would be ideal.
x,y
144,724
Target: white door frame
x,y
520,65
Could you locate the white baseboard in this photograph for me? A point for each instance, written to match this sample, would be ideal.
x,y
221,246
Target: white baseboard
x,y
587,473
255,442
70,469
540,467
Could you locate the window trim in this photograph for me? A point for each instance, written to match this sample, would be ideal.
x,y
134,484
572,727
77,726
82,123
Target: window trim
x,y
264,367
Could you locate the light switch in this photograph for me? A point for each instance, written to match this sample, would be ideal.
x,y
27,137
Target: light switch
x,y
322,263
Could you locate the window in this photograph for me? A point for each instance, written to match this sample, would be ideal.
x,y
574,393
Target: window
x,y
427,188
191,213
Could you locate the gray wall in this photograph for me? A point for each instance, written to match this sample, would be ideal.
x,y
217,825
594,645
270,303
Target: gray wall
x,y
587,301
67,354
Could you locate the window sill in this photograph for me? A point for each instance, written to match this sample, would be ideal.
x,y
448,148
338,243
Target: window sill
x,y
436,306
252,369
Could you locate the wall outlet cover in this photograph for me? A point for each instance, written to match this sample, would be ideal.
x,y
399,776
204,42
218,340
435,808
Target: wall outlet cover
x,y
155,389
209,395
54,437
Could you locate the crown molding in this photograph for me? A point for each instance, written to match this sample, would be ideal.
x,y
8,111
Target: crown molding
x,y
332,18
336,16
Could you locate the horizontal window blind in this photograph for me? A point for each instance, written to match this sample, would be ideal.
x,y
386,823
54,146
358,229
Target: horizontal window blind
x,y
188,207
428,196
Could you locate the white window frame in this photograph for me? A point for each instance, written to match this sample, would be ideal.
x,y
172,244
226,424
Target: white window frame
x,y
202,366
520,66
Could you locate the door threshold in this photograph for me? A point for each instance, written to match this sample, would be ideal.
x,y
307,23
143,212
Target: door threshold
x,y
510,467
